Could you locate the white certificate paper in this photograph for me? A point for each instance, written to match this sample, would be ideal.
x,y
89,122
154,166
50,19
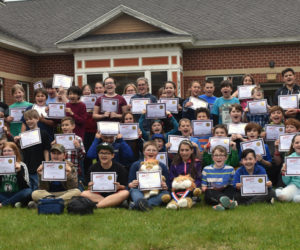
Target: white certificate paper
x,y
109,105
54,171
127,98
129,131
254,185
38,85
138,105
288,101
244,91
149,180
108,128
1,125
30,138
258,107
202,127
40,109
171,104
219,141
67,140
103,181
197,103
236,128
62,81
292,166
7,165
175,141
285,142
273,131
257,145
57,110
89,101
17,113
155,110
162,157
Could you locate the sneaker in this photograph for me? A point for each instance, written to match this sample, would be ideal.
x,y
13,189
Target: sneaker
x,y
18,204
218,207
225,201
143,205
124,204
272,201
32,205
131,205
233,204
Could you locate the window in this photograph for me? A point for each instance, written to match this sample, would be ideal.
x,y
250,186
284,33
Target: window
x,y
124,78
25,86
157,81
92,79
270,89
236,80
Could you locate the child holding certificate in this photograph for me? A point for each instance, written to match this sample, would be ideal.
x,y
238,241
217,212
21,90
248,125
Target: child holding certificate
x,y
18,93
107,194
292,190
139,202
217,181
77,110
251,167
233,158
60,189
14,188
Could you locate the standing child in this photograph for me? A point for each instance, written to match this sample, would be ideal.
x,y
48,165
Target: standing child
x,y
251,167
209,89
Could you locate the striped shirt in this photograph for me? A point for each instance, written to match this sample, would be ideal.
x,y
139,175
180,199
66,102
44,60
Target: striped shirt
x,y
217,177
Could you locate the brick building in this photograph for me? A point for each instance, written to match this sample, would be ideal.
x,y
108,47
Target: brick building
x,y
162,40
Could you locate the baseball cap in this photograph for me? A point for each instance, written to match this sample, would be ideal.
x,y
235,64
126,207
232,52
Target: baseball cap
x,y
106,146
58,147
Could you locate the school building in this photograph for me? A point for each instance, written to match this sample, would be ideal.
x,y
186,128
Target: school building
x,y
159,39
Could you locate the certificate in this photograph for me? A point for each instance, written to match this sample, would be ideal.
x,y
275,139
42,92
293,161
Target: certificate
x,y
175,141
17,113
138,105
254,185
236,128
67,140
103,181
257,145
7,165
273,131
244,91
38,85
149,180
162,157
129,131
1,125
57,110
292,166
156,111
197,103
127,98
219,141
288,101
285,142
62,81
171,104
109,105
89,101
108,128
203,127
54,171
30,138
40,109
258,107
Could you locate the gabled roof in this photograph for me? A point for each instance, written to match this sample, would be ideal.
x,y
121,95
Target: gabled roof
x,y
44,23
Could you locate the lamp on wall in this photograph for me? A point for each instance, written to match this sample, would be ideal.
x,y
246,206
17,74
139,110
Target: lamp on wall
x,y
272,64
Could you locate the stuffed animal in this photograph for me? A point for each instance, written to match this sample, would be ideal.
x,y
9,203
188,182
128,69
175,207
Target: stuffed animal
x,y
147,166
183,188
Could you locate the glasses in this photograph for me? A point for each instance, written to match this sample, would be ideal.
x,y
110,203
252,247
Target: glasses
x,y
141,85
219,156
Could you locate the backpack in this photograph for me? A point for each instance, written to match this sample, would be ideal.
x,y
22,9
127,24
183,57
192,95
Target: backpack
x,y
81,205
51,205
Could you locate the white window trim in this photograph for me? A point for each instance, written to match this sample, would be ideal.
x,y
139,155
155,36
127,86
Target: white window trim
x,y
27,89
1,91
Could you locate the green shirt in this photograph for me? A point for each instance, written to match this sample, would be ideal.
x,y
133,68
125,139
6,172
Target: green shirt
x,y
9,183
232,160
15,127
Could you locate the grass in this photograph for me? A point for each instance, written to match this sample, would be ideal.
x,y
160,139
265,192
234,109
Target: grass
x,y
260,226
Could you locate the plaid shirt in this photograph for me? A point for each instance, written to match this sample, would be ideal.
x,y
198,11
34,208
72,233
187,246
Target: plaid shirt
x,y
262,119
77,155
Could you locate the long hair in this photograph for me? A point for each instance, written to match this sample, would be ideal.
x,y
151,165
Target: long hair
x,y
292,150
178,160
14,147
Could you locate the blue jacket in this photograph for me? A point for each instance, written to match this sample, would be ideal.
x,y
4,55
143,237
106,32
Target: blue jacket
x,y
122,151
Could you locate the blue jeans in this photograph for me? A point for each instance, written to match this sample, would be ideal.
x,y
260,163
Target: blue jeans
x,y
34,181
136,194
10,198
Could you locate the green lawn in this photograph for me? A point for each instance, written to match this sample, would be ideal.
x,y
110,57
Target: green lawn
x,y
260,226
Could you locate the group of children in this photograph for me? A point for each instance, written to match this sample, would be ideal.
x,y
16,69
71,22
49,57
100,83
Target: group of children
x,y
217,170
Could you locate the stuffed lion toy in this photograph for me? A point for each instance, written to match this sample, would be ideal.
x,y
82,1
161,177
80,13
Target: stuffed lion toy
x,y
183,188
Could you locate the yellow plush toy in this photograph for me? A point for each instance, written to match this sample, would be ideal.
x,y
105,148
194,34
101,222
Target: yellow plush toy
x,y
183,188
